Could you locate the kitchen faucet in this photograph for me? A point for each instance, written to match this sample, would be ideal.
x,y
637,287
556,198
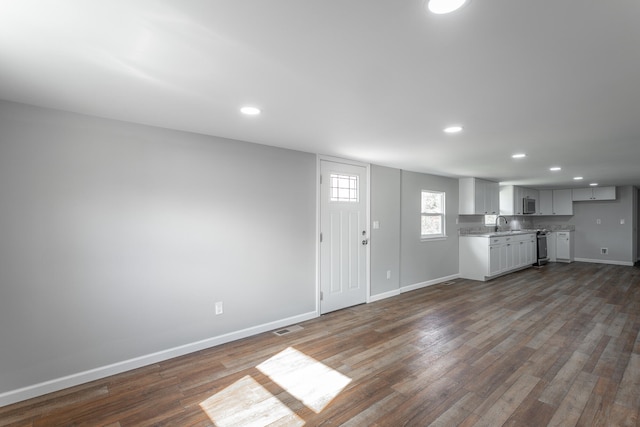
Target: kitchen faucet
x,y
506,221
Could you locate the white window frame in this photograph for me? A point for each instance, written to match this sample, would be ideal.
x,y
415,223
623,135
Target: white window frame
x,y
442,215
490,219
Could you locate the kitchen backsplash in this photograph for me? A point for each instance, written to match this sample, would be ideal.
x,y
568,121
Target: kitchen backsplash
x,y
556,227
473,224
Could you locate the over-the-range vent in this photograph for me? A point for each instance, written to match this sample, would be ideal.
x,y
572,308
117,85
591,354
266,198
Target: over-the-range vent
x,y
288,330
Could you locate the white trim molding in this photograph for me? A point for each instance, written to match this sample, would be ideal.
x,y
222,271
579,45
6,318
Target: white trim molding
x,y
604,261
428,283
79,378
384,295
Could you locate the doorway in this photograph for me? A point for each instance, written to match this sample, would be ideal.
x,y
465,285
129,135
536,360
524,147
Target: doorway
x,y
344,235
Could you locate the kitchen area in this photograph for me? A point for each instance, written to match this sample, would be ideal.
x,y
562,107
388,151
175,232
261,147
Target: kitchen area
x,y
506,228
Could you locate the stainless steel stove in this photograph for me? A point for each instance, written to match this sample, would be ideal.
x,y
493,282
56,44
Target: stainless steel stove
x,y
543,256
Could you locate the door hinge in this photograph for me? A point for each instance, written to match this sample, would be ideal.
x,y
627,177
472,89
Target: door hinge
x,y
320,179
321,296
320,237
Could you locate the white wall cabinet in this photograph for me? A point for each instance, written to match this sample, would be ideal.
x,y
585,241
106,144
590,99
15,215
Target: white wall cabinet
x,y
593,193
478,197
545,206
562,202
483,258
555,202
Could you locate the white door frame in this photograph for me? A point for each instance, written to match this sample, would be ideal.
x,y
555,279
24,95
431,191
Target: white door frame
x,y
367,166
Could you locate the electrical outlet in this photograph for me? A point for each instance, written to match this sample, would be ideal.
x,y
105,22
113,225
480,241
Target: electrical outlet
x,y
388,274
604,251
219,309
598,221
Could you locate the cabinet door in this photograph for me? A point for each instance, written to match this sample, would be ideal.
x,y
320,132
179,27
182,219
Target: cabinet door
x,y
480,189
504,257
545,207
604,193
494,259
562,202
563,248
552,238
521,258
582,194
532,251
518,196
492,198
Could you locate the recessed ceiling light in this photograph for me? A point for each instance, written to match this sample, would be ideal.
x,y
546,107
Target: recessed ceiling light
x,y
444,6
577,178
519,156
555,168
250,111
594,184
453,129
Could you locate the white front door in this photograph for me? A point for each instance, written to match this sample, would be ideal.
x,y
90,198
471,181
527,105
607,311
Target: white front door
x,y
344,235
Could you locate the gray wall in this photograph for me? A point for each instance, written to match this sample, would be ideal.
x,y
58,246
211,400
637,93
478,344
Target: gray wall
x,y
385,241
423,261
590,236
116,240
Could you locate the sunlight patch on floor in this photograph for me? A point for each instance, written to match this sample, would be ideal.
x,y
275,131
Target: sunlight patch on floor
x,y
247,403
306,379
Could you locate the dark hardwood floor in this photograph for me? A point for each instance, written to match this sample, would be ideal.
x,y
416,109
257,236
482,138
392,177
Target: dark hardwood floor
x,y
558,345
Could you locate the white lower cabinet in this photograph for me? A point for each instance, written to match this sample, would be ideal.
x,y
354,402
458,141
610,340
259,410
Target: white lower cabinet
x,y
564,246
482,257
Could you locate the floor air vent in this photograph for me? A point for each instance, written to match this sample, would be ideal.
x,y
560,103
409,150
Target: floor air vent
x,y
447,283
288,330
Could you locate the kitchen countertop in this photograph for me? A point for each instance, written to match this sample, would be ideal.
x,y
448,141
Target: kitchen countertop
x,y
499,233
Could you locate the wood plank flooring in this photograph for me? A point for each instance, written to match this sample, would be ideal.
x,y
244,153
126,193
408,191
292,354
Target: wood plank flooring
x,y
556,346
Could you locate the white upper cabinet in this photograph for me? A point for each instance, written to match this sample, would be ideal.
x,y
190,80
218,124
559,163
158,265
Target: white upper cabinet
x,y
545,205
555,202
562,202
478,197
594,193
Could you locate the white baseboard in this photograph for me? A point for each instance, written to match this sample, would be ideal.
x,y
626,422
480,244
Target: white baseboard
x,y
385,295
57,384
604,261
428,283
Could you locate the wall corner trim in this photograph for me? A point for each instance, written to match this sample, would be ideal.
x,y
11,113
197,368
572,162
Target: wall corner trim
x,y
604,261
384,295
57,384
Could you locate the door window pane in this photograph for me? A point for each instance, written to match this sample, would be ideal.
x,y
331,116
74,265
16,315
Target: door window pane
x,y
343,188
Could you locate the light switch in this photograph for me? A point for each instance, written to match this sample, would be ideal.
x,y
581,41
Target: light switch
x,y
622,221
376,225
598,221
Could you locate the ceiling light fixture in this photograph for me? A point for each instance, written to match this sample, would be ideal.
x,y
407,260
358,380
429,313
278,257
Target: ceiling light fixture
x,y
577,178
453,129
444,6
519,156
555,168
594,184
250,111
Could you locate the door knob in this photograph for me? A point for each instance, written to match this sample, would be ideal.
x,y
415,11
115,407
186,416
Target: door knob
x,y
365,242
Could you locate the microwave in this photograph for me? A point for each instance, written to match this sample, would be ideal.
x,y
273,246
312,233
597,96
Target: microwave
x,y
528,206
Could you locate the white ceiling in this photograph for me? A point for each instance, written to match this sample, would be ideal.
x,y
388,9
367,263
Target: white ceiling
x,y
375,81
